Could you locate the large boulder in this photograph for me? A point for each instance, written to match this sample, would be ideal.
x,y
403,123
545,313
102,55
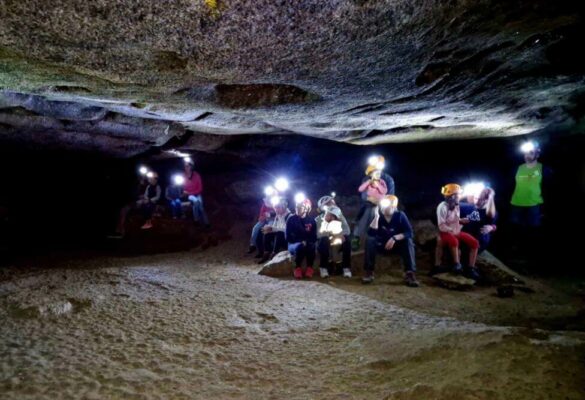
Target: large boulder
x,y
495,272
280,266
453,281
424,231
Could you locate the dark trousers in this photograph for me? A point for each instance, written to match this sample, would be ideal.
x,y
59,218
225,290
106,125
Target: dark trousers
x,y
272,242
147,209
324,248
301,251
176,207
403,247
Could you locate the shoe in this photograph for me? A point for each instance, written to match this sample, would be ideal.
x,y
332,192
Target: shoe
x,y
473,273
147,225
347,273
368,278
410,279
457,269
355,244
323,273
298,273
264,259
309,272
251,249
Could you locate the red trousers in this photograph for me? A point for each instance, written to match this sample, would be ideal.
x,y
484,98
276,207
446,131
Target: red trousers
x,y
451,240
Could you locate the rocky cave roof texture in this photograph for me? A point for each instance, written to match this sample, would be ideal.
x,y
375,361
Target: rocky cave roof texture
x,y
124,76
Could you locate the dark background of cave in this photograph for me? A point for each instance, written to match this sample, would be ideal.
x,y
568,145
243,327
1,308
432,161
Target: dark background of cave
x,y
64,202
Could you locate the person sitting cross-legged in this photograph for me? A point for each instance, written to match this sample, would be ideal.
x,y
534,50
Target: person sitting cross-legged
x,y
390,231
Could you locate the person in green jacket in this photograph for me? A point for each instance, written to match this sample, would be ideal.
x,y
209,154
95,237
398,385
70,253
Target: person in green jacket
x,y
527,199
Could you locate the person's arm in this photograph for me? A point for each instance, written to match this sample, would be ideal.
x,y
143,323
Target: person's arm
x,y
381,187
442,219
407,232
156,198
168,194
364,186
390,184
319,221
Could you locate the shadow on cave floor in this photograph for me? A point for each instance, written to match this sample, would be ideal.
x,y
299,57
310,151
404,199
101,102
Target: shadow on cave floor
x,y
557,303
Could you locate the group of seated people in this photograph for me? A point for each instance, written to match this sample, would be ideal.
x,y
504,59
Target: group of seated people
x,y
387,230
186,187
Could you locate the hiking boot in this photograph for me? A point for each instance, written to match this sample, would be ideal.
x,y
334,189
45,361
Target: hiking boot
x,y
323,273
309,272
264,259
457,268
410,279
368,277
298,273
355,244
251,249
347,273
473,273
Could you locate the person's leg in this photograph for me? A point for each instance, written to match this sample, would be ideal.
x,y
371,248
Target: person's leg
x,y
473,245
260,242
370,259
451,241
121,227
178,207
346,257
360,214
406,250
295,250
255,231
310,254
323,247
195,207
202,212
280,243
147,210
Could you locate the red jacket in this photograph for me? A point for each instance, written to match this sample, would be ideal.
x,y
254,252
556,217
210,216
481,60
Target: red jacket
x,y
263,210
193,186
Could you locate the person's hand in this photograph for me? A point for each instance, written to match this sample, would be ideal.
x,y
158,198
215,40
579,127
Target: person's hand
x,y
267,229
464,221
486,229
390,244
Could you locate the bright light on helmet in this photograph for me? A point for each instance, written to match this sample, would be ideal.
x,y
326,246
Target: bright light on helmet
x,y
385,203
380,165
473,189
373,160
143,170
528,147
281,184
150,174
179,179
188,160
269,191
333,194
300,197
274,200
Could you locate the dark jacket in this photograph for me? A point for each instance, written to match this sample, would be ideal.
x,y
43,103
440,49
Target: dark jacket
x,y
398,224
301,229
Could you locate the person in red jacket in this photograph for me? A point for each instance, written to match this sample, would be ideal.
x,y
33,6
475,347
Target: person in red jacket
x,y
193,189
266,213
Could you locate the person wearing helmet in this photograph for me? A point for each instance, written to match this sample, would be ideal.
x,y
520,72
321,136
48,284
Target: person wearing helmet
x,y
450,229
373,188
301,235
332,227
193,190
271,238
390,231
150,199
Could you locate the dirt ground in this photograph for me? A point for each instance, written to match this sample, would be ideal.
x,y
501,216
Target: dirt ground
x,y
204,324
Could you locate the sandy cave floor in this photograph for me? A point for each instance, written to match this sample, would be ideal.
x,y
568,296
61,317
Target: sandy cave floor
x,y
200,325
